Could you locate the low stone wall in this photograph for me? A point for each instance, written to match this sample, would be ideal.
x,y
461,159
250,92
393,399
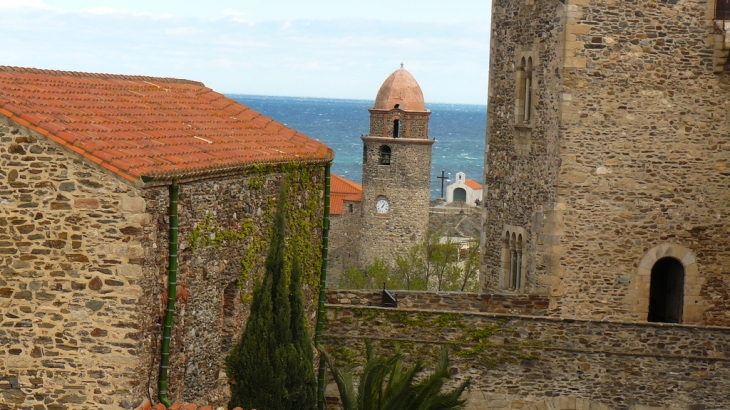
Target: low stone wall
x,y
445,301
526,360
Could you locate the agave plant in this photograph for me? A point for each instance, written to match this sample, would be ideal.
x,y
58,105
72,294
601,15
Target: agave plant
x,y
385,384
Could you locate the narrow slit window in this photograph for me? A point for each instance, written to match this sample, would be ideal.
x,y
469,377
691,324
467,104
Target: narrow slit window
x,y
524,88
528,91
396,128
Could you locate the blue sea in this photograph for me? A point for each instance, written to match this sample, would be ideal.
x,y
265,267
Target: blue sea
x,y
459,130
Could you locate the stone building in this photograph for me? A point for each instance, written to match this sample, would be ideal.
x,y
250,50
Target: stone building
x,y
90,167
345,221
396,171
465,191
607,165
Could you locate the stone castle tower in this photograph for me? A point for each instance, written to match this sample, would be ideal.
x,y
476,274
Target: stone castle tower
x,y
396,171
607,163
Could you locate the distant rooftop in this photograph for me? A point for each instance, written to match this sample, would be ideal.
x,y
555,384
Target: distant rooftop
x,y
342,190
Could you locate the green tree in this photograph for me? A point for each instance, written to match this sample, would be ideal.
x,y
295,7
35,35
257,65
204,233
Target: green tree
x,y
302,382
470,269
371,278
385,384
410,268
268,368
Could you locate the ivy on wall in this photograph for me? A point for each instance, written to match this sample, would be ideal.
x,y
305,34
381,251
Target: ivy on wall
x,y
489,346
303,218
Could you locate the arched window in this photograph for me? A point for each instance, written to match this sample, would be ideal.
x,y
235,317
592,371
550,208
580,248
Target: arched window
x,y
384,155
512,262
396,128
524,90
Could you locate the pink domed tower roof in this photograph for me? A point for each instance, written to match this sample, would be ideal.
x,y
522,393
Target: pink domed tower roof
x,y
400,88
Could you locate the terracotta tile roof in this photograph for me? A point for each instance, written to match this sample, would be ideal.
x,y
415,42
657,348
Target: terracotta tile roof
x,y
342,190
158,127
473,184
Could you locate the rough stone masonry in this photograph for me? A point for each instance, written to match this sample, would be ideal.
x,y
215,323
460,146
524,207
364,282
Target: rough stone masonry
x,y
83,277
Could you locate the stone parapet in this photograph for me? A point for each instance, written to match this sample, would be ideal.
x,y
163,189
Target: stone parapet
x,y
444,301
529,359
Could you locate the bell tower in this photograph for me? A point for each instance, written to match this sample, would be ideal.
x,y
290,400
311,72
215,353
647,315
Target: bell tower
x,y
396,171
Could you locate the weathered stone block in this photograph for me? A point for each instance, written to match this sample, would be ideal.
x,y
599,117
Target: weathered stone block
x,y
132,204
86,203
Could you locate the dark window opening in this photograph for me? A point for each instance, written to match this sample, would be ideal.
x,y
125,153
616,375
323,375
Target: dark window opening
x,y
397,106
459,195
364,154
722,10
396,128
515,281
666,294
385,155
352,209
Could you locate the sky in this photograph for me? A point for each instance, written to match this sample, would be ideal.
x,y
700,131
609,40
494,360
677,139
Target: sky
x,y
318,48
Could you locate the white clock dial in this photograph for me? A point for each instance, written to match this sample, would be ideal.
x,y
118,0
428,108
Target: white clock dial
x,y
381,206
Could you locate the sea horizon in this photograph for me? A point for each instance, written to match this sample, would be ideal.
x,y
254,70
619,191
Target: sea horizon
x,y
459,131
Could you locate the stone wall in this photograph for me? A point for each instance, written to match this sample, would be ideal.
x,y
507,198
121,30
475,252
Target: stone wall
x,y
521,162
527,361
224,234
83,275
344,241
634,171
406,185
71,274
644,159
444,301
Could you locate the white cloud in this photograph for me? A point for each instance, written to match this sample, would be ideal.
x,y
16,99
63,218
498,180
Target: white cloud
x,y
345,58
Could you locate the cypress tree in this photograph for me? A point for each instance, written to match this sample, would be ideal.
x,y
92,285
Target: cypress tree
x,y
302,382
269,368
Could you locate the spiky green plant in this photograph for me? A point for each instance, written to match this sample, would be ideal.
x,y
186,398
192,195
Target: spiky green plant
x,y
385,384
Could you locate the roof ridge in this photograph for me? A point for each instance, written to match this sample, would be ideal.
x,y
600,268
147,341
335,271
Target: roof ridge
x,y
102,76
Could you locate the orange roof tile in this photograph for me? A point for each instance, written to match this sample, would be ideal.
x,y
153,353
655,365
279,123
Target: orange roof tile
x,y
473,184
138,126
342,190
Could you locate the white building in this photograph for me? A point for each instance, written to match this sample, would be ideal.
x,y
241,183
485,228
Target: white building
x,y
464,190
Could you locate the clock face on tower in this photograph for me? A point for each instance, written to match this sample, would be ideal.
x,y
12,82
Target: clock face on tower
x,y
382,206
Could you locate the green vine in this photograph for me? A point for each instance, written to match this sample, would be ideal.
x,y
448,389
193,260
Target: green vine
x,y
476,344
304,221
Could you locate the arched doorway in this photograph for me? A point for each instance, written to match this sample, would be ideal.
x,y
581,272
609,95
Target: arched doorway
x,y
459,195
666,294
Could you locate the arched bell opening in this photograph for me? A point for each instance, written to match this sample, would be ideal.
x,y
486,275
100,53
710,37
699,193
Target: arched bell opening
x,y
384,155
